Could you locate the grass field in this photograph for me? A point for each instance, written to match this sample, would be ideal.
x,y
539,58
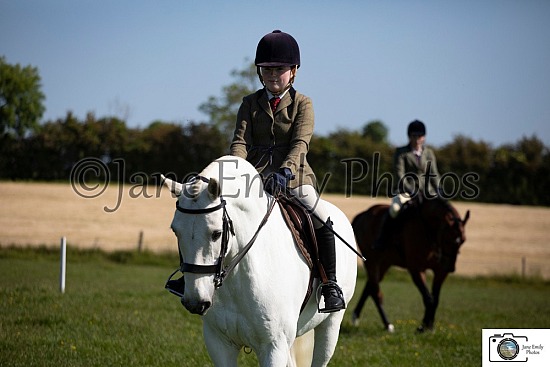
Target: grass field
x,y
115,312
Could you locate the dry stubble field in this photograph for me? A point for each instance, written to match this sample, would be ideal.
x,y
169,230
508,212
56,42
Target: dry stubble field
x,y
33,214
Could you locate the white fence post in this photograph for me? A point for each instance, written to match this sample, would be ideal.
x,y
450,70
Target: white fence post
x,y
63,264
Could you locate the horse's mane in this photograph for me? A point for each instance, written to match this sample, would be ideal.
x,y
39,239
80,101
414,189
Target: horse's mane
x,y
436,202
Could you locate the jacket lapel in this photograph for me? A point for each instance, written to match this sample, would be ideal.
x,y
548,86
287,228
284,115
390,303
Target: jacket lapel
x,y
264,102
287,100
412,159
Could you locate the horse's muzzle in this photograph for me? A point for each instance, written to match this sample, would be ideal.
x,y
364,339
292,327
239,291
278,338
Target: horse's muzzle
x,y
448,263
199,308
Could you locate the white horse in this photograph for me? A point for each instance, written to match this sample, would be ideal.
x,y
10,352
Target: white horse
x,y
226,235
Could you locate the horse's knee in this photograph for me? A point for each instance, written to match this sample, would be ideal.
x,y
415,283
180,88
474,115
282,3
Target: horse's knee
x,y
380,297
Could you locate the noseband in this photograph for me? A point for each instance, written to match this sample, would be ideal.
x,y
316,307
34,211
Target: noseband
x,y
220,272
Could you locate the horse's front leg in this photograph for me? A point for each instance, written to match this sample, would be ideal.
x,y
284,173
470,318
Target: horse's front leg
x,y
364,296
372,288
378,301
429,319
419,279
220,350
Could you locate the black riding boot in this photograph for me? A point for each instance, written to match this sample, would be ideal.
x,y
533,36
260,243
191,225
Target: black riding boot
x,y
176,286
384,233
332,293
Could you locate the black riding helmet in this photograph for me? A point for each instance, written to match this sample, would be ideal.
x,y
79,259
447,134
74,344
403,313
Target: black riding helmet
x,y
277,49
417,128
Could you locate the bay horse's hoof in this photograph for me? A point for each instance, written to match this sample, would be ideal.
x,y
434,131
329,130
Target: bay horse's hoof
x,y
354,319
423,328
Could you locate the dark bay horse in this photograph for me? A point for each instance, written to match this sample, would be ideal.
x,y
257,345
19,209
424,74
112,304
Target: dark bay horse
x,y
427,234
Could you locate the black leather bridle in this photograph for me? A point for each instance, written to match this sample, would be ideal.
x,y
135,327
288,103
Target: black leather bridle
x,y
220,272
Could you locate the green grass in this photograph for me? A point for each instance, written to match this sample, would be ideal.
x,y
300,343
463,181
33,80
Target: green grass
x,y
115,312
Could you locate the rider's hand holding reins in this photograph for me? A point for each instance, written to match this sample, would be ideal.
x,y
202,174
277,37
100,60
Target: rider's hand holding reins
x,y
277,181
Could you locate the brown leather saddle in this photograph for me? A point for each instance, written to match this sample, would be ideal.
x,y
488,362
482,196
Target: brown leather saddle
x,y
299,221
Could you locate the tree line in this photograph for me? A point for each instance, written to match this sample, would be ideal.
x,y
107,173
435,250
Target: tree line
x,y
345,161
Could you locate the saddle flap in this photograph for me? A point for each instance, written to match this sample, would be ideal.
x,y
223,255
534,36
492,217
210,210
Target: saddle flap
x,y
299,222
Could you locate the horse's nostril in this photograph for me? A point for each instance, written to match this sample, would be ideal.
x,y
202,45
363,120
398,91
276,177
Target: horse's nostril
x,y
197,308
205,306
202,308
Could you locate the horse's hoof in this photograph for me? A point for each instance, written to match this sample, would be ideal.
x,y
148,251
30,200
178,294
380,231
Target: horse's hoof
x,y
354,320
390,328
424,329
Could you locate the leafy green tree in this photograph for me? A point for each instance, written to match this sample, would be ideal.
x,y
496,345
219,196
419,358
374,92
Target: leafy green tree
x,y
222,110
180,150
348,162
524,161
21,99
465,159
376,131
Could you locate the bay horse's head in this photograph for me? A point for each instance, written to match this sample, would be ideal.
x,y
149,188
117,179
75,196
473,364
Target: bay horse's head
x,y
448,230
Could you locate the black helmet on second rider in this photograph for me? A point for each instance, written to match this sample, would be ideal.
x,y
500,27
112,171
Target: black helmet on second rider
x,y
416,128
277,49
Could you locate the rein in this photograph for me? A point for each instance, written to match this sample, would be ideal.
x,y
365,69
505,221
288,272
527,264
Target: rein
x,y
220,272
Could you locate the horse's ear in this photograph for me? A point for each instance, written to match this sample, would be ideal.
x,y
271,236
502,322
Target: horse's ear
x,y
174,186
466,217
213,188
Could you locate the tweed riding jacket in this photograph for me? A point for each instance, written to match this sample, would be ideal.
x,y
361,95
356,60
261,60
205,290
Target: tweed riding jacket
x,y
411,171
271,141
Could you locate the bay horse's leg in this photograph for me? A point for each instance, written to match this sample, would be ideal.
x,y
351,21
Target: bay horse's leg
x,y
429,318
378,297
364,296
378,300
372,288
419,279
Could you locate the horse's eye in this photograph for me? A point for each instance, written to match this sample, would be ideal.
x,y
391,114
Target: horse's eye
x,y
216,235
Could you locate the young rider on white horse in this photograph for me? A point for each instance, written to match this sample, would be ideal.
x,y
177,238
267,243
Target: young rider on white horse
x,y
273,131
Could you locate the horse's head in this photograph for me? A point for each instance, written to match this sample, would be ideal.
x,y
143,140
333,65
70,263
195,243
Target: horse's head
x,y
203,227
450,233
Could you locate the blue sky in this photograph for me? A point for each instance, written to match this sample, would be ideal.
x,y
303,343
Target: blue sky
x,y
476,68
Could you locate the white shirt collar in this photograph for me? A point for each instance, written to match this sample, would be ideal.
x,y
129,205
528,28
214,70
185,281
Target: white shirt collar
x,y
271,95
